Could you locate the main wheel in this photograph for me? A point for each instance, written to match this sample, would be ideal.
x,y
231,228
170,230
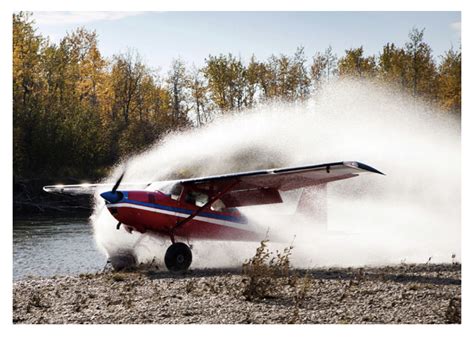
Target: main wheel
x,y
178,257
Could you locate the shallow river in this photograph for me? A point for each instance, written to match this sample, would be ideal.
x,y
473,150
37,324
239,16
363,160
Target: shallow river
x,y
54,246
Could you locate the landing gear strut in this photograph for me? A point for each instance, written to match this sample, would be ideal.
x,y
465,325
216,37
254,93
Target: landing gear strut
x,y
178,257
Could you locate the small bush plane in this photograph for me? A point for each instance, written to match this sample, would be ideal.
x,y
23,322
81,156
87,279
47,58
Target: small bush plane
x,y
207,208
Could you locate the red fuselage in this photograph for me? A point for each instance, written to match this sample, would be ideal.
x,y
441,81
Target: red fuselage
x,y
156,212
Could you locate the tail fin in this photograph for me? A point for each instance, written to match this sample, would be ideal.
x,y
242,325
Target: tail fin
x,y
313,205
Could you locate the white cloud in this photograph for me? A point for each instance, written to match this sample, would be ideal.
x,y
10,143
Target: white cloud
x,y
64,18
456,26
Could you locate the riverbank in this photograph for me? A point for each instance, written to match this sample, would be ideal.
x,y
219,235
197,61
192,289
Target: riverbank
x,y
395,294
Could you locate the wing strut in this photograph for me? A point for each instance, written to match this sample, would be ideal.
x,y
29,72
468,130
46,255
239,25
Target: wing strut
x,y
204,207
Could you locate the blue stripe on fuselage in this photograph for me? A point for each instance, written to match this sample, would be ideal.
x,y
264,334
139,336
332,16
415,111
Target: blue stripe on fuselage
x,y
241,219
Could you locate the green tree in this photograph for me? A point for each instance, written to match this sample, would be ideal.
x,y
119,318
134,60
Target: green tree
x,y
393,65
354,64
317,69
27,93
331,63
422,71
301,81
252,81
76,113
127,72
285,77
450,81
178,81
226,81
198,87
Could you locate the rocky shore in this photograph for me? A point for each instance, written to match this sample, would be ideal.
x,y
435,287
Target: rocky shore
x,y
395,294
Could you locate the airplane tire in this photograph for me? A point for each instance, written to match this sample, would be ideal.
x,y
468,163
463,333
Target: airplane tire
x,y
178,257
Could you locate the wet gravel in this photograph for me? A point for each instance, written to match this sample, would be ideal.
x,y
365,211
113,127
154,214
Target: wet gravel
x,y
396,294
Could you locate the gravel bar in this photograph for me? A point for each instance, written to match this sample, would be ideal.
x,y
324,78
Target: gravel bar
x,y
425,294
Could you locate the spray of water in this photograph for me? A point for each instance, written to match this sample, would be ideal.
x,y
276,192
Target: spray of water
x,y
409,215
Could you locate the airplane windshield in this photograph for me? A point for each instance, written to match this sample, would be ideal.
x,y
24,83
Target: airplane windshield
x,y
171,189
175,191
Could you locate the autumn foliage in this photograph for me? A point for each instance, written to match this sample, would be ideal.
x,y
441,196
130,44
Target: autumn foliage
x,y
76,113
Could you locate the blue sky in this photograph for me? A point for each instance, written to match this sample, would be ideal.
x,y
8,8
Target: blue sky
x,y
161,36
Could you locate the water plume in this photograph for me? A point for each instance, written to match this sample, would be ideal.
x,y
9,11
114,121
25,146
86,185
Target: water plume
x,y
409,215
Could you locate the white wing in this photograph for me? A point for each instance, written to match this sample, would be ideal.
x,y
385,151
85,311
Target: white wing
x,y
89,189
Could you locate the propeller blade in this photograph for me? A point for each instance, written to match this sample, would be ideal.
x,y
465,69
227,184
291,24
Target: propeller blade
x,y
117,184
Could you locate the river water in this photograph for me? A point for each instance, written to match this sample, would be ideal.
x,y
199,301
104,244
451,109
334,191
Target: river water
x,y
54,246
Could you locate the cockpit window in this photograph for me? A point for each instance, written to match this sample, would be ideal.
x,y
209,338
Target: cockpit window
x,y
169,188
201,199
218,205
175,191
197,198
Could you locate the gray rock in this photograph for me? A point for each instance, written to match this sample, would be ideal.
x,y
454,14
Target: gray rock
x,y
396,294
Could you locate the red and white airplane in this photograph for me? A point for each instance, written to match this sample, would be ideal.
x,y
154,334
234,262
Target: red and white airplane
x,y
207,208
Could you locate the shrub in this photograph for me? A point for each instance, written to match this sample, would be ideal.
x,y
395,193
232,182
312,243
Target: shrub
x,y
264,272
299,298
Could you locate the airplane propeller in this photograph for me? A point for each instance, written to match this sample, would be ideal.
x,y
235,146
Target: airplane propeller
x,y
119,180
114,195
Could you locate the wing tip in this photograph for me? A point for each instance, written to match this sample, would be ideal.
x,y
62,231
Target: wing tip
x,y
364,167
59,188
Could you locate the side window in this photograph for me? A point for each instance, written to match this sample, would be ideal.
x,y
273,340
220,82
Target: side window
x,y
176,191
196,198
201,199
218,205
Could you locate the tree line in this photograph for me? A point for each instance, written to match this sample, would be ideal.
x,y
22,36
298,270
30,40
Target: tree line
x,y
76,113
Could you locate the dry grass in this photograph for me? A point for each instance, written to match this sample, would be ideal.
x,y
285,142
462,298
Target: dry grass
x,y
299,298
118,277
269,276
266,273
